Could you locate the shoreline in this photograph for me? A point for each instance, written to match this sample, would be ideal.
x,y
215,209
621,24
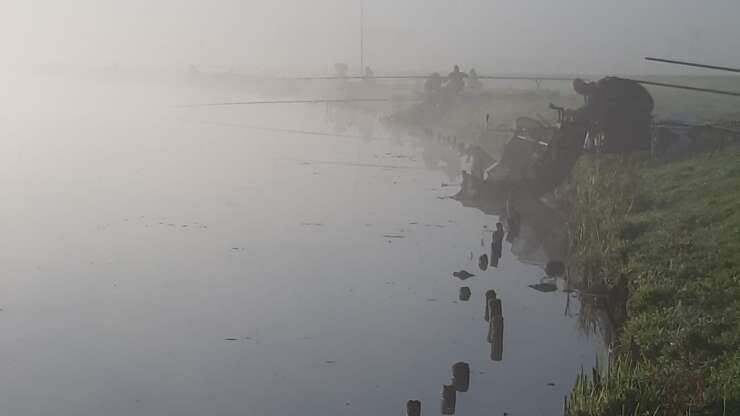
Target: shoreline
x,y
669,233
653,252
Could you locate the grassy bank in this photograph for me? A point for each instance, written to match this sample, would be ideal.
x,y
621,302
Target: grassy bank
x,y
669,232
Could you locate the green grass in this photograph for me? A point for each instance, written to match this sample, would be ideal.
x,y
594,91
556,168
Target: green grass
x,y
673,231
619,389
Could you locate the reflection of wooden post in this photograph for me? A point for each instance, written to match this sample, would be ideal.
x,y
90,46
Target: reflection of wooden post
x,y
493,308
497,309
449,397
491,294
413,408
461,376
565,405
496,338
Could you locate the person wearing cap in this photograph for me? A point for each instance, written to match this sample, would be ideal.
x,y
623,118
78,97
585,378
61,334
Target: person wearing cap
x,y
618,109
456,80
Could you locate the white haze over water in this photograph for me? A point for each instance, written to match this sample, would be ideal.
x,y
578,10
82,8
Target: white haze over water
x,y
543,36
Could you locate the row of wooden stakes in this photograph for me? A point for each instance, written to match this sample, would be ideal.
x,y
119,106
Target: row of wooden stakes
x,y
461,370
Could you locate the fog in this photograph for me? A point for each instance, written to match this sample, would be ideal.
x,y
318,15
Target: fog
x,y
538,36
181,237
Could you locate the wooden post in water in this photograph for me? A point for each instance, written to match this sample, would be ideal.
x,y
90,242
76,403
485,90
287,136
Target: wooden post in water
x,y
491,294
449,399
496,329
465,293
413,408
496,333
493,308
461,376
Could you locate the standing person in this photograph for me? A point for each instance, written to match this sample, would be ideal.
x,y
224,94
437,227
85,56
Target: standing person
x,y
369,77
456,80
473,81
433,83
618,109
340,70
497,244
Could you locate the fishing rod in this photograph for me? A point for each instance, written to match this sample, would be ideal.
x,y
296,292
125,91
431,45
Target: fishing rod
x,y
689,125
362,77
293,131
307,101
686,87
353,164
671,61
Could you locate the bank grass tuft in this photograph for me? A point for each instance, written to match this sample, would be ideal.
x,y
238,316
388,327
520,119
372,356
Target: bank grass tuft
x,y
672,230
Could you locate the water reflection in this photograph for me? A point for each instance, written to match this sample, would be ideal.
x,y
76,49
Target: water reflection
x,y
483,262
495,318
413,408
546,285
538,236
490,295
497,244
536,232
461,376
440,156
449,399
496,338
463,275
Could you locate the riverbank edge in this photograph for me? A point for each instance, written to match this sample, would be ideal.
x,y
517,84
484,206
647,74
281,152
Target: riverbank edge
x,y
669,232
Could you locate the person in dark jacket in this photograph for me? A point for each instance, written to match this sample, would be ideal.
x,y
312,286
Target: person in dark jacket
x,y
456,80
619,111
433,83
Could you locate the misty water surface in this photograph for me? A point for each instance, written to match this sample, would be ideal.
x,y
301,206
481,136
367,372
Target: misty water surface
x,y
154,264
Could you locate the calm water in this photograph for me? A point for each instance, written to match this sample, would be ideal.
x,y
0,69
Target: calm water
x,y
159,262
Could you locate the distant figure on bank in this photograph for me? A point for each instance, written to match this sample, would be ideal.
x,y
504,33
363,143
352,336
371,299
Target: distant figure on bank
x,y
340,70
473,81
497,244
369,77
456,80
433,83
619,110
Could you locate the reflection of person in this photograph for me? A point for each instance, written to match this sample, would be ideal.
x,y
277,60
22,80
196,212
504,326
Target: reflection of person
x,y
497,244
514,221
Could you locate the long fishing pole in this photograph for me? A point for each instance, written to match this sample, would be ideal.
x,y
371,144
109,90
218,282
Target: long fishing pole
x,y
671,61
710,126
293,131
354,164
355,77
686,87
307,101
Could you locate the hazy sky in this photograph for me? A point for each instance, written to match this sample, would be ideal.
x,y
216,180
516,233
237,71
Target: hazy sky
x,y
538,36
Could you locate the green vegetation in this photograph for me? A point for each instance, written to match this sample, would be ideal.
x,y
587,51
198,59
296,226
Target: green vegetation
x,y
671,231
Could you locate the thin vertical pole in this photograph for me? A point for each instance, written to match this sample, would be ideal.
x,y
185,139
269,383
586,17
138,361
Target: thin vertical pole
x,y
362,36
